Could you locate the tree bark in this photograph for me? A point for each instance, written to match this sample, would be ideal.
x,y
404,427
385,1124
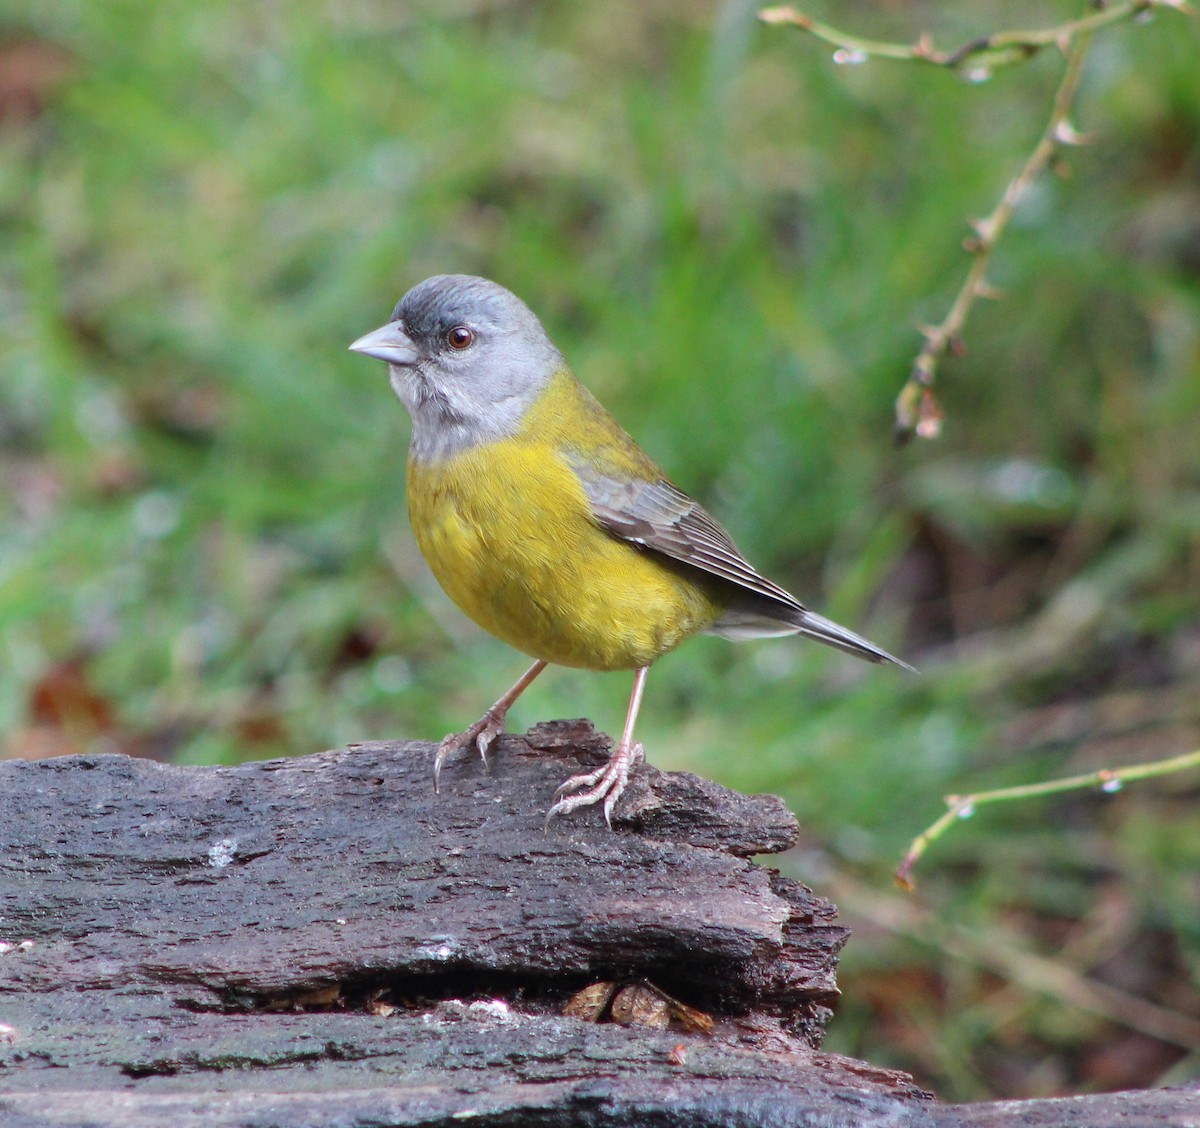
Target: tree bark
x,y
323,940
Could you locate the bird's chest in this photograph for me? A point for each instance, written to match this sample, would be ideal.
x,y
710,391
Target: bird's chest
x,y
508,532
501,529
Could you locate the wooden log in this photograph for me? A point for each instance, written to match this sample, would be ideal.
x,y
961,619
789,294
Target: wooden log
x,y
324,940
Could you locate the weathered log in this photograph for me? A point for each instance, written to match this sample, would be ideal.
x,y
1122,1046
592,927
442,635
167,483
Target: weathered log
x,y
323,940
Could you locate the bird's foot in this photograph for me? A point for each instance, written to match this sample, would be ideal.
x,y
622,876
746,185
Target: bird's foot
x,y
607,783
481,734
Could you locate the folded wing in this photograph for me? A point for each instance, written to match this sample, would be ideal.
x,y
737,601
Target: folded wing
x,y
662,518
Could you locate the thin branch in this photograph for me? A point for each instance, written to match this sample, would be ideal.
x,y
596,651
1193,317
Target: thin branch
x,y
917,409
964,806
985,52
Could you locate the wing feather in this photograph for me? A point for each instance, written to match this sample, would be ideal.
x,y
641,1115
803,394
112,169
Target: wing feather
x,y
662,518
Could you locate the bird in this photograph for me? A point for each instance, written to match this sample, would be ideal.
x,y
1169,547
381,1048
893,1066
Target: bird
x,y
550,526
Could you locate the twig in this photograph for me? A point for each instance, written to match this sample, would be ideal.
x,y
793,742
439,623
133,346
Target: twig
x,y
985,52
964,806
917,409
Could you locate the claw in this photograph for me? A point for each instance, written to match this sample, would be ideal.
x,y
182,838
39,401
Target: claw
x,y
606,783
485,730
482,733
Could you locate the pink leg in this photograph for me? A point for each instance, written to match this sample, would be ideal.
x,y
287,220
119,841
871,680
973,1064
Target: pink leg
x,y
487,728
607,782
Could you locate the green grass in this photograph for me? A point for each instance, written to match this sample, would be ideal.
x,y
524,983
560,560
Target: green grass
x,y
732,240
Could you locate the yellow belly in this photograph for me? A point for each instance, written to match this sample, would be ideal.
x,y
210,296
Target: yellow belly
x,y
507,530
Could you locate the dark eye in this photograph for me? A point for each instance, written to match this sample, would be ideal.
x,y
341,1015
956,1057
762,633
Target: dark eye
x,y
460,337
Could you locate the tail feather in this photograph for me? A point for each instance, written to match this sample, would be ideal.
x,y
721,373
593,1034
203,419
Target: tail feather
x,y
744,623
811,625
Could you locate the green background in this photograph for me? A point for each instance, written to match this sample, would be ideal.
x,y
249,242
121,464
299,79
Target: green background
x,y
204,553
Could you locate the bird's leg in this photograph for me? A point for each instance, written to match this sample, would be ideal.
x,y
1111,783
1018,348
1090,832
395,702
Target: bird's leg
x,y
607,782
487,728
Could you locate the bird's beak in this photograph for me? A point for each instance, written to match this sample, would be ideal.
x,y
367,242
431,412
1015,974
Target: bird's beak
x,y
390,343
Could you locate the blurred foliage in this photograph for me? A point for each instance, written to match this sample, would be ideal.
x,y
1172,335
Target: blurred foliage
x,y
204,552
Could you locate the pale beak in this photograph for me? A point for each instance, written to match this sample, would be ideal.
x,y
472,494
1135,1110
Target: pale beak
x,y
390,343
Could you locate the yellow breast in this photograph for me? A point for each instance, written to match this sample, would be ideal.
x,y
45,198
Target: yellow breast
x,y
507,530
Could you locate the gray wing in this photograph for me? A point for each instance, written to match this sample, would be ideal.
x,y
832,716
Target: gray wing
x,y
662,518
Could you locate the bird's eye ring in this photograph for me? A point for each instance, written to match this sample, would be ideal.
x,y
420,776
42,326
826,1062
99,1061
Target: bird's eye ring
x,y
460,337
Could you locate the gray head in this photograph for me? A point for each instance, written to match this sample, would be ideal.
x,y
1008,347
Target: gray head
x,y
466,357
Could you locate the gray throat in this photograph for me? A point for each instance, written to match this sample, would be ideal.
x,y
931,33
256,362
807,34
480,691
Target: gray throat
x,y
442,429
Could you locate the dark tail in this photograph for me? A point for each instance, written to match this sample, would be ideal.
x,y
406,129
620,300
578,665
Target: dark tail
x,y
811,625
